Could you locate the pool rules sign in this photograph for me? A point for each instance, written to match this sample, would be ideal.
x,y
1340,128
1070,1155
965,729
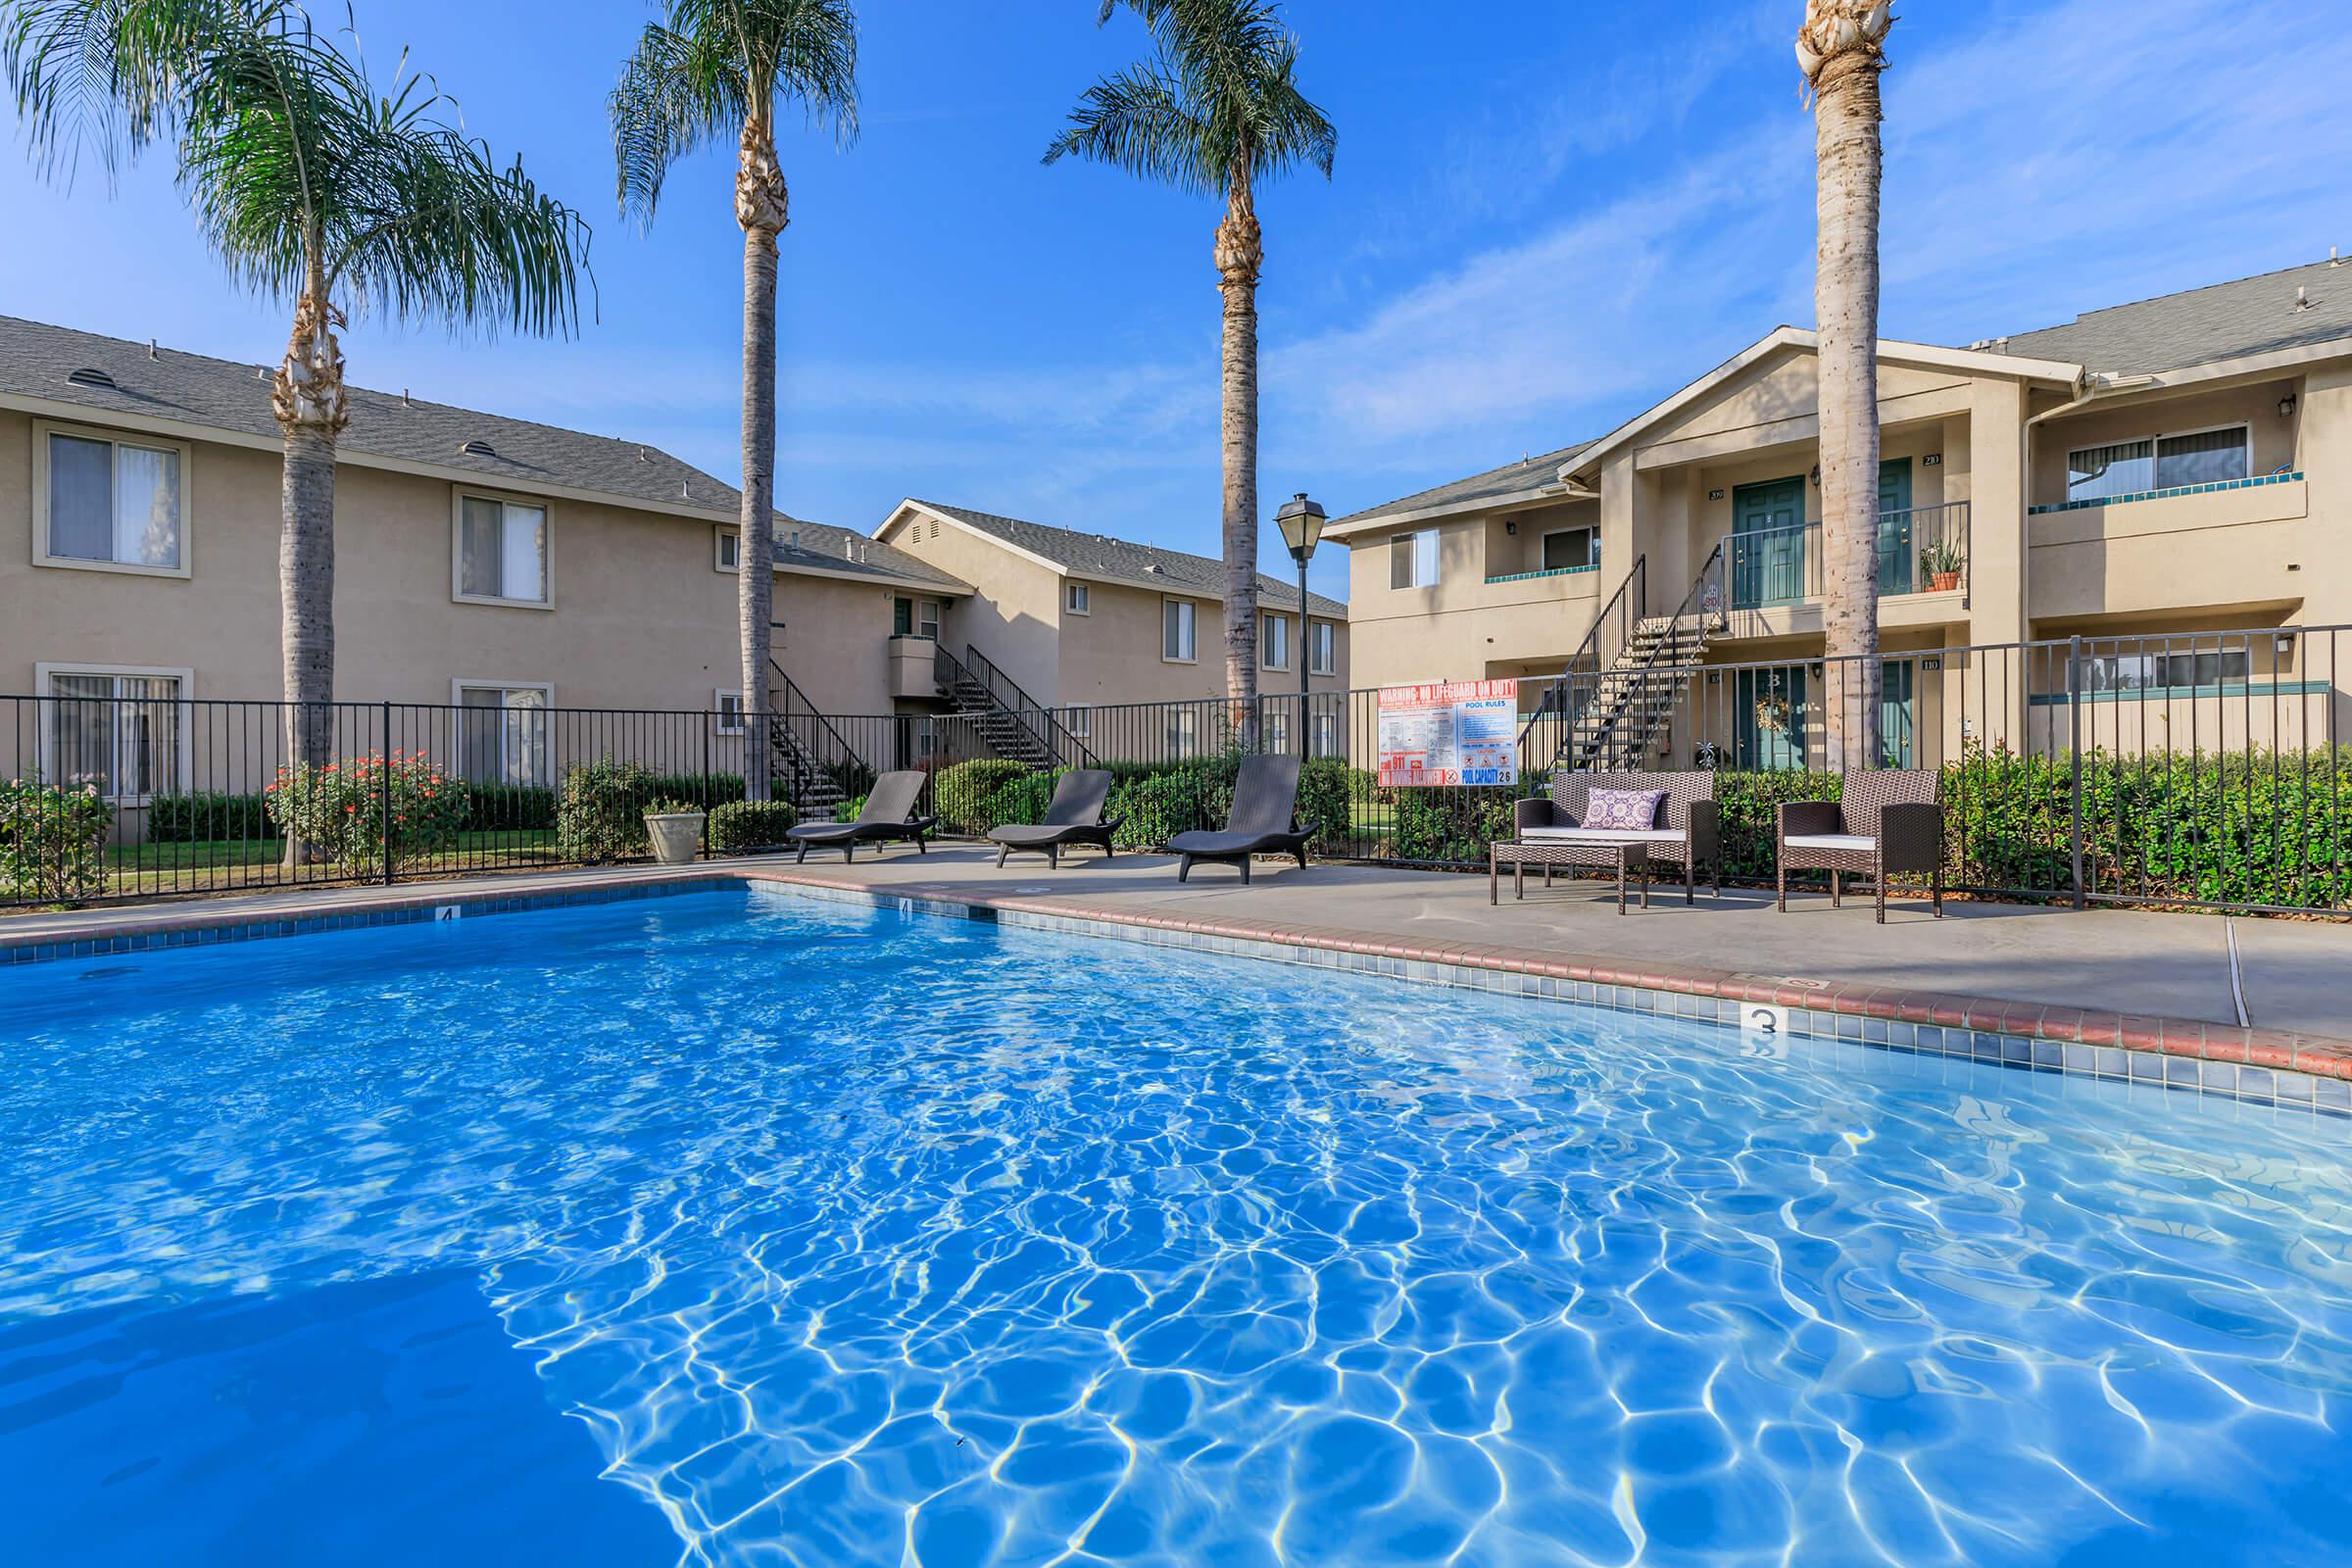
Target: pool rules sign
x,y
1450,732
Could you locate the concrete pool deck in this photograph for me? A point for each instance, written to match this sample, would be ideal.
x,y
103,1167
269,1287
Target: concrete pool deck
x,y
2132,978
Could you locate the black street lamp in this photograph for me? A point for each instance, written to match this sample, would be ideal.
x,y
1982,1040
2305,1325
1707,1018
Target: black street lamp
x,y
1301,524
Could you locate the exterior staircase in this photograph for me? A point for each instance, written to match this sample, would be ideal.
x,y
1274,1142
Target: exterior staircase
x,y
1003,719
810,761
1623,687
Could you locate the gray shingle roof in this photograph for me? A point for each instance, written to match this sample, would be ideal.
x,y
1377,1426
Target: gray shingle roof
x,y
1513,478
1124,558
39,360
2199,325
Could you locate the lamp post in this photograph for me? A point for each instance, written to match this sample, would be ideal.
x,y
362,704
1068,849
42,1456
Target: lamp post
x,y
1301,524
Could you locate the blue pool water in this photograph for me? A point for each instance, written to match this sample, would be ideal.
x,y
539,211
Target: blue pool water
x,y
736,1227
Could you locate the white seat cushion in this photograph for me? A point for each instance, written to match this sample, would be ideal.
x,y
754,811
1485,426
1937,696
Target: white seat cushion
x,y
1609,835
1854,841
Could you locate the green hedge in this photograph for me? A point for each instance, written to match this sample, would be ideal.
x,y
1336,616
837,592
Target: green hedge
x,y
741,825
201,815
962,793
600,811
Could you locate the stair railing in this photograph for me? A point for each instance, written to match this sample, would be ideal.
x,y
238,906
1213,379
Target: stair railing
x,y
809,746
1036,722
1545,732
1705,604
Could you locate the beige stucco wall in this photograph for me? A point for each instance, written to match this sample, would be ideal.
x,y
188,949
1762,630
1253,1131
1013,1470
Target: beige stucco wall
x,y
641,615
1015,617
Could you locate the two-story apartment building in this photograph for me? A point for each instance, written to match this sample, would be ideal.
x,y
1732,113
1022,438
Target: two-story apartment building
x,y
482,562
1082,622
2182,463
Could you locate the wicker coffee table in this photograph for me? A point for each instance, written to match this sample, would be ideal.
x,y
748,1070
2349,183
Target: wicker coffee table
x,y
1607,855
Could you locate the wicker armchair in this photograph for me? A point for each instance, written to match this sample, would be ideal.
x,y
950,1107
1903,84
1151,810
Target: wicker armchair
x,y
1689,832
1888,823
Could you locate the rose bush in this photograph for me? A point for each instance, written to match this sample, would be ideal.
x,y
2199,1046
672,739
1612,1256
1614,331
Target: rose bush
x,y
53,839
339,809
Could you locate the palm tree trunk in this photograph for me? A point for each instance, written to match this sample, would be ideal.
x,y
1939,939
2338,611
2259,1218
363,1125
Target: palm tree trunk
x,y
1846,301
1239,252
762,208
308,398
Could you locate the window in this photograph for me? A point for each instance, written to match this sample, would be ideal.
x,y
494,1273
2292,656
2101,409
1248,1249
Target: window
x,y
502,552
1571,548
501,732
728,707
1275,634
1278,731
1176,631
1183,731
914,617
116,505
1414,558
2139,672
123,729
1079,721
1076,599
1322,648
2157,463
730,546
1327,735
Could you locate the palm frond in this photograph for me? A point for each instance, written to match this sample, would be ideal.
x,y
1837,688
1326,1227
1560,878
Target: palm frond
x,y
1137,119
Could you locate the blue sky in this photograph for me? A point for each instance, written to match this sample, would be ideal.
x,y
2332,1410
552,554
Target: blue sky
x,y
1545,216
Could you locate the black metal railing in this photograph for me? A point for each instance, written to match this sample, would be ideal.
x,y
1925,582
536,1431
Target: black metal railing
x,y
816,767
1544,733
2191,769
1067,749
1921,550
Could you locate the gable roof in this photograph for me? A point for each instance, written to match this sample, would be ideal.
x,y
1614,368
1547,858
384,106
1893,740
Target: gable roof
x,y
1100,556
45,368
2236,319
2229,321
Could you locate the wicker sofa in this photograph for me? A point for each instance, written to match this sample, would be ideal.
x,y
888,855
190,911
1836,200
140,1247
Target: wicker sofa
x,y
1688,834
1888,823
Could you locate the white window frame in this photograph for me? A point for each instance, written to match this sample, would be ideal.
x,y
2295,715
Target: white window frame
x,y
457,699
1267,626
2156,440
719,712
1079,721
1411,539
1188,619
43,430
44,679
1180,732
1322,648
456,549
720,538
1543,548
1324,737
1278,737
1077,599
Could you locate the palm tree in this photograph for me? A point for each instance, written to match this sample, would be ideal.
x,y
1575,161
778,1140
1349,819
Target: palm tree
x,y
716,68
1839,51
1217,111
309,186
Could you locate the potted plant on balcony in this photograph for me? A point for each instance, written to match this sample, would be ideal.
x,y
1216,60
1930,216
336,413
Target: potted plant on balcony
x,y
677,830
1939,568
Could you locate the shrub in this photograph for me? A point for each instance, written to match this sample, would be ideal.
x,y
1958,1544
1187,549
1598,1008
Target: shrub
x,y
1328,790
1024,800
53,839
511,808
960,792
199,815
340,809
600,815
1748,809
1158,806
669,806
742,825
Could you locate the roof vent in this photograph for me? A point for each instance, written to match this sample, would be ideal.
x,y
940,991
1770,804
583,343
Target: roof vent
x,y
479,448
405,401
795,538
1151,567
2334,260
2303,301
685,489
86,376
151,354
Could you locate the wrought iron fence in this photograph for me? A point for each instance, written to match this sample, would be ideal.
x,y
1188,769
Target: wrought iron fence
x,y
2197,769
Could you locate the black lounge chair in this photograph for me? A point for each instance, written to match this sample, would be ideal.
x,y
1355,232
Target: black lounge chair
x,y
1073,816
1264,820
889,816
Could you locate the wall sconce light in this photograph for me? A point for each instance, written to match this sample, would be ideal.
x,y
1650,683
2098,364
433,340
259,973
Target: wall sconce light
x,y
1510,525
1814,476
2284,644
2286,407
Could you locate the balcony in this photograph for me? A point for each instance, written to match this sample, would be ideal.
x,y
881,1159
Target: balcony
x,y
1922,550
910,673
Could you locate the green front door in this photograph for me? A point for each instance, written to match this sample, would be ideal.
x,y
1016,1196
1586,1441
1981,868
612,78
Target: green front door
x,y
1894,527
1768,543
1770,718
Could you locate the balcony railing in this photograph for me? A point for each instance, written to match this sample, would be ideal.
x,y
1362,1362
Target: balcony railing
x,y
1921,550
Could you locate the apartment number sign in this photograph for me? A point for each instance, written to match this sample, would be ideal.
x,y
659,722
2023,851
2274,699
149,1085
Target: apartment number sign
x,y
1449,732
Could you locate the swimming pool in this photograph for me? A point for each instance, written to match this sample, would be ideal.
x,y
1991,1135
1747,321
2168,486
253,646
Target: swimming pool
x,y
744,1227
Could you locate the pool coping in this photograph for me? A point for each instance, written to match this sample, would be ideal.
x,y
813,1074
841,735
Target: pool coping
x,y
2265,1066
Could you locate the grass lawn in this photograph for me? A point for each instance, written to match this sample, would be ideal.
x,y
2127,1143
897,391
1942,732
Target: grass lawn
x,y
219,862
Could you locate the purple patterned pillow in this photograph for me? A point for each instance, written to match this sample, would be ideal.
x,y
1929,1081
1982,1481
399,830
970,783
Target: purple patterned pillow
x,y
1622,808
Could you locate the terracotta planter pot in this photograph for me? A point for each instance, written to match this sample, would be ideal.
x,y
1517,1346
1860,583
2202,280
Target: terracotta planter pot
x,y
1942,582
677,836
